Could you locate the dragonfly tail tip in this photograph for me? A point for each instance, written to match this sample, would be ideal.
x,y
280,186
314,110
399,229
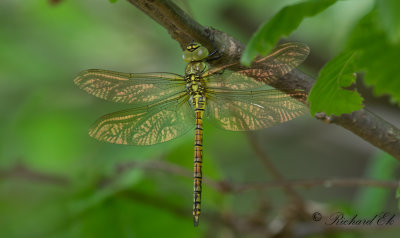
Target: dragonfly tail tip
x,y
195,221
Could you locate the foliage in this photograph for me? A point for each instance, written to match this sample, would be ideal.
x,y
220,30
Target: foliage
x,y
389,16
329,93
55,181
371,201
375,39
282,24
377,54
376,49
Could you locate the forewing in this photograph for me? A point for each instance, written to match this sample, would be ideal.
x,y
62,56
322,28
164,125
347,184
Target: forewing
x,y
279,62
229,81
139,89
147,125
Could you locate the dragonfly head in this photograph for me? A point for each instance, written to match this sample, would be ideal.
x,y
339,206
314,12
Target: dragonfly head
x,y
195,52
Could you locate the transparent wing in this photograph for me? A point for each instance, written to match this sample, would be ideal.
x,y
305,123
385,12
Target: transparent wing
x,y
285,57
146,125
279,62
232,82
240,103
139,89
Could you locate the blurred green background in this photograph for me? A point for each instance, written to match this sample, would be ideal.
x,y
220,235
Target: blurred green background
x,y
56,181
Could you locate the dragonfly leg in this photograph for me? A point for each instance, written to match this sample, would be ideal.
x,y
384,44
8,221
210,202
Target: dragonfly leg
x,y
215,54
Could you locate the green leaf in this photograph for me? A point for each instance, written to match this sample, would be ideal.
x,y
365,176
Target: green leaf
x,y
372,200
390,18
282,24
329,94
378,56
113,1
398,196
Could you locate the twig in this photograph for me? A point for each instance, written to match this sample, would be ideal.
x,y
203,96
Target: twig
x,y
368,125
247,225
168,168
306,229
175,20
273,170
234,187
155,201
327,183
20,171
184,29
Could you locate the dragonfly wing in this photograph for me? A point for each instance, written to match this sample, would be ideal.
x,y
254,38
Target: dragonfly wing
x,y
240,103
279,62
285,57
139,89
229,81
246,112
146,125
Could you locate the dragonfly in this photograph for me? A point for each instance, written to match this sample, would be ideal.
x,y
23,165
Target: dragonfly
x,y
168,105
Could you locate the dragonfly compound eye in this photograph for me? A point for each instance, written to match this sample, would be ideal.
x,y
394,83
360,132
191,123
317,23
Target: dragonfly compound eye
x,y
201,53
187,56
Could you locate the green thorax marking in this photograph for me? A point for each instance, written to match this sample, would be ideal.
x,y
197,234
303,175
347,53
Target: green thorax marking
x,y
196,67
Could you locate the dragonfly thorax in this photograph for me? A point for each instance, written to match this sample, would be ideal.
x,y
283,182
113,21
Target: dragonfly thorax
x,y
195,88
194,85
198,67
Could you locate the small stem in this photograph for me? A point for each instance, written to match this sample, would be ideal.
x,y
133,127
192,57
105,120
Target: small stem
x,y
234,187
270,167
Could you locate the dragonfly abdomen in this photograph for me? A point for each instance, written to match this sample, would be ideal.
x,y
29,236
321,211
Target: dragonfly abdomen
x,y
198,103
198,156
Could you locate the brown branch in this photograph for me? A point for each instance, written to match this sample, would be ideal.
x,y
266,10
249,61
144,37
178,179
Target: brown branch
x,y
233,187
20,171
155,201
306,229
168,168
242,224
270,167
175,20
327,183
184,29
372,128
256,225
